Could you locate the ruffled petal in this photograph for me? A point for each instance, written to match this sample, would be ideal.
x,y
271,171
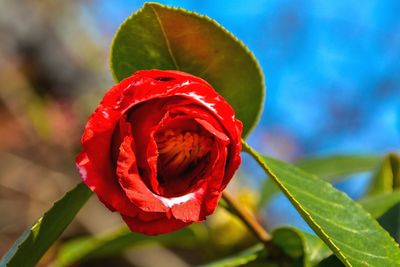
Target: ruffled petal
x,y
124,174
131,182
154,227
108,191
204,200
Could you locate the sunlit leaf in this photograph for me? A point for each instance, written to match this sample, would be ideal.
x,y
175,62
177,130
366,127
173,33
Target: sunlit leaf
x,y
387,181
36,240
379,204
334,167
331,168
311,250
161,37
387,177
350,232
304,249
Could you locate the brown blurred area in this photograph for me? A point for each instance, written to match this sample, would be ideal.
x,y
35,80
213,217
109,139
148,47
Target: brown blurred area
x,y
53,72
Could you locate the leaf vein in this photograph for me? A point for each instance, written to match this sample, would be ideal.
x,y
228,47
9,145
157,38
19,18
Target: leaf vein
x,y
165,37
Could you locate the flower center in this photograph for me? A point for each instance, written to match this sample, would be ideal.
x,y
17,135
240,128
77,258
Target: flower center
x,y
179,151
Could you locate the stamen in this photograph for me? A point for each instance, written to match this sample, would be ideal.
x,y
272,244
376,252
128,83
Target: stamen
x,y
177,150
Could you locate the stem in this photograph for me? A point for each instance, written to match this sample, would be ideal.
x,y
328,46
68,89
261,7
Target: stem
x,y
247,218
252,224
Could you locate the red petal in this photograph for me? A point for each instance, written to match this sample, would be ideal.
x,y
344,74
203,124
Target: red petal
x,y
131,182
98,170
155,227
204,200
108,191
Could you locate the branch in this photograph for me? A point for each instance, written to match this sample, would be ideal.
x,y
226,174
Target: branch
x,y
254,226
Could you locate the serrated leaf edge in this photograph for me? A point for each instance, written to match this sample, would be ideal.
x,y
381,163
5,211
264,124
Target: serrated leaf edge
x,y
307,216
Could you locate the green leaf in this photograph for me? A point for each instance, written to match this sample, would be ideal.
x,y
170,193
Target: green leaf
x,y
385,181
386,207
116,241
240,259
161,37
311,249
268,190
380,204
35,241
331,261
306,248
376,206
334,167
350,232
387,177
391,221
331,168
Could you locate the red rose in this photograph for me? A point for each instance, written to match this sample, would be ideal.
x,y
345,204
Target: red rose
x,y
159,149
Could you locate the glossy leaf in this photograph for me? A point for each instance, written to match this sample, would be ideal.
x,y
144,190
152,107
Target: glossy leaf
x,y
161,37
35,241
334,167
331,168
387,177
380,204
311,249
307,249
303,248
350,232
386,181
85,248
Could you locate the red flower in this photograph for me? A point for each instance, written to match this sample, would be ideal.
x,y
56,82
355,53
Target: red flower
x,y
159,149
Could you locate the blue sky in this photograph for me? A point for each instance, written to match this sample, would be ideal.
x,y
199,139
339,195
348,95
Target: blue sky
x,y
332,69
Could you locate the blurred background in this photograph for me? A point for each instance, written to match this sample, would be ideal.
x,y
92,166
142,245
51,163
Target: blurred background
x,y
332,70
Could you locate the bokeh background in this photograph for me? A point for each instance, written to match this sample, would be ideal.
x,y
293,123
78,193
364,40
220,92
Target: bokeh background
x,y
332,70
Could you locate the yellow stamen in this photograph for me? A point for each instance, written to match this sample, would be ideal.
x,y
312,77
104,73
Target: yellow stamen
x,y
179,149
